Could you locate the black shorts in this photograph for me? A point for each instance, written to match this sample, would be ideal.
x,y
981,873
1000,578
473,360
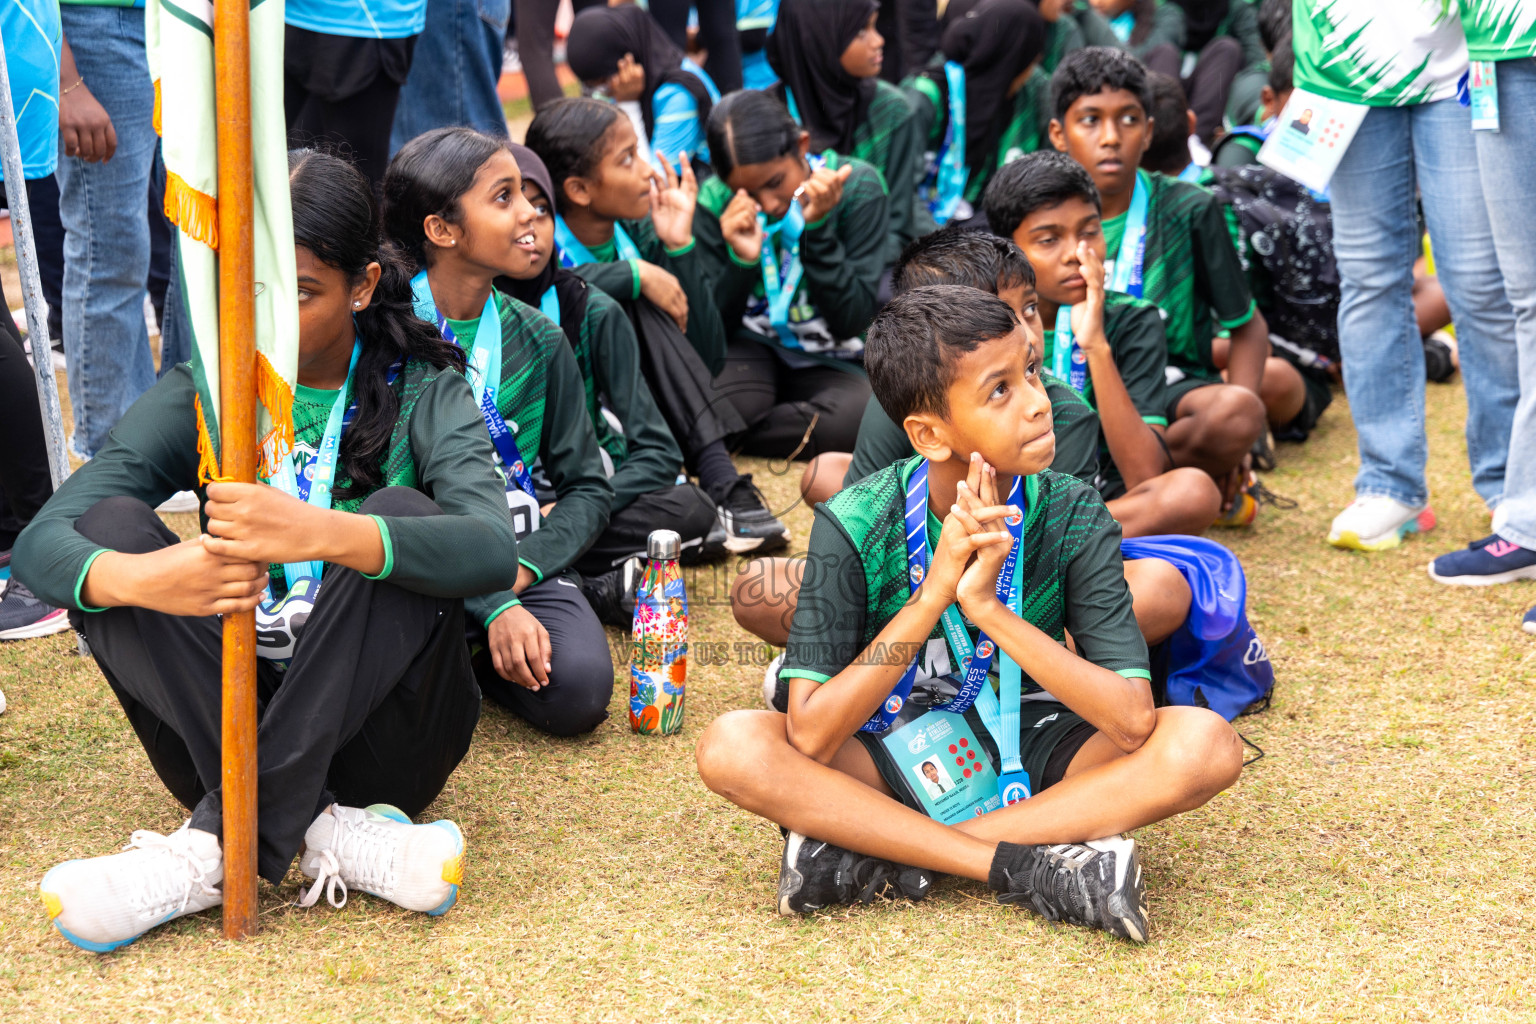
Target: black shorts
x,y
1177,391
1319,394
1049,737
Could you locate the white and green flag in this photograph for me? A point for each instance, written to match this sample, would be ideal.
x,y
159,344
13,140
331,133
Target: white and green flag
x,y
179,41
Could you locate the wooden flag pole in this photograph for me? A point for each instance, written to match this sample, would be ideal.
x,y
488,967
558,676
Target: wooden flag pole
x,y
237,441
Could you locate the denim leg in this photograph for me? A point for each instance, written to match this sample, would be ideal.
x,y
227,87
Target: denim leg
x,y
1506,159
106,232
1375,242
1445,155
454,70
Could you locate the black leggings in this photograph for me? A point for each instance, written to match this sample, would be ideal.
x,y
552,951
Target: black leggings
x,y
799,412
340,92
378,705
536,46
25,484
717,35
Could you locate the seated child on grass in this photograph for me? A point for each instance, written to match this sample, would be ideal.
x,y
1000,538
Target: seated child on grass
x,y
1110,347
956,368
1171,246
632,237
453,200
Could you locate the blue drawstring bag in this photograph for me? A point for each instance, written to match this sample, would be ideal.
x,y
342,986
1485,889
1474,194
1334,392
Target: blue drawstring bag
x,y
1215,660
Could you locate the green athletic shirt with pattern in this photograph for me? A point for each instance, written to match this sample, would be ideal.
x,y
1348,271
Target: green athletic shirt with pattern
x,y
1499,29
1073,580
1190,270
1378,53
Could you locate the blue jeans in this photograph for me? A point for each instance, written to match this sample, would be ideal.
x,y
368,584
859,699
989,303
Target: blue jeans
x,y
454,71
1375,238
106,232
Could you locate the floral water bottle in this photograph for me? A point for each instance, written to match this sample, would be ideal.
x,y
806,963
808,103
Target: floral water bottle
x,y
659,658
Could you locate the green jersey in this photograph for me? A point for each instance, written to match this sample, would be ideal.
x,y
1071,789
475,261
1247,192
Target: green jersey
x,y
1358,52
1072,579
1190,270
1499,29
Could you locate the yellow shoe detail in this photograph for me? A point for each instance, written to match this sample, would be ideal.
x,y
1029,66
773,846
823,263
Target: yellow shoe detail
x,y
453,870
54,905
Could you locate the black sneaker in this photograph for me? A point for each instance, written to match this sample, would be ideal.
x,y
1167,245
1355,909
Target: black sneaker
x,y
713,547
612,595
814,875
1264,452
23,616
749,525
1096,884
1439,357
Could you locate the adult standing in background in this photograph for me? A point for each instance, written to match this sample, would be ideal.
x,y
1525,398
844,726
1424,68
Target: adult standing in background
x,y
717,35
1504,32
1415,139
106,108
344,62
536,47
454,71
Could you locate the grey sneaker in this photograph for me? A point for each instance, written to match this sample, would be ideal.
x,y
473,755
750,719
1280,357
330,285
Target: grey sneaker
x,y
23,616
1096,884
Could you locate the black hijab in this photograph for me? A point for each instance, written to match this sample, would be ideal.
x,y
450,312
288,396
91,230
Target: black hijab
x,y
1202,18
994,40
601,36
805,50
571,290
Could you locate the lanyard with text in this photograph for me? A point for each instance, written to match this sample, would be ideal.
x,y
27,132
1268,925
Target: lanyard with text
x,y
1067,360
1125,272
782,274
574,254
977,661
312,482
484,374
952,174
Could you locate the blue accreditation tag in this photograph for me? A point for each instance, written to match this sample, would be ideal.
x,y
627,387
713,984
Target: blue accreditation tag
x,y
1483,91
1125,273
950,172
1067,360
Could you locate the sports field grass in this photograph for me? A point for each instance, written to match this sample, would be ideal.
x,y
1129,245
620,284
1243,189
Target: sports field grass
x,y
1376,865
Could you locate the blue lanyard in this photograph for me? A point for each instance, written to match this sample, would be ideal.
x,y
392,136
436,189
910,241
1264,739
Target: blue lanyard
x,y
952,172
1190,173
789,101
549,305
976,660
1125,276
484,371
312,484
1067,361
782,275
574,254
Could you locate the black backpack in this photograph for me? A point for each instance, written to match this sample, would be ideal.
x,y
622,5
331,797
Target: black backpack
x,y
1289,231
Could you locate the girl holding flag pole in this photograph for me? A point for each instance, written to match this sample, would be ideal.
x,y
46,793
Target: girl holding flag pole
x,y
368,701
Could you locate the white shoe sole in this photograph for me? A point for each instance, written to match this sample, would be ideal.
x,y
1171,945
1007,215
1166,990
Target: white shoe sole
x,y
55,622
179,503
1421,522
1514,575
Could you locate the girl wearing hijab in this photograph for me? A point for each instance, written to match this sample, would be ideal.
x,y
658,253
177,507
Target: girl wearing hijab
x,y
638,451
828,57
990,51
623,51
371,697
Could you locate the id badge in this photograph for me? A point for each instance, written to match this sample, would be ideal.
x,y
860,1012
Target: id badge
x,y
944,767
525,510
1483,87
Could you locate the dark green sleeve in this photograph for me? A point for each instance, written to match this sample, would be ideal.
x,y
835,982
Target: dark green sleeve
x,y
903,173
471,547
1098,602
150,455
881,442
653,457
1246,97
844,254
932,122
824,637
1236,151
1243,25
1167,27
1219,276
1135,332
1093,29
1077,432
705,331
619,280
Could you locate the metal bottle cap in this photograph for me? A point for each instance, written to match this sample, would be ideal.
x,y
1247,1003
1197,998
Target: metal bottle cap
x,y
665,545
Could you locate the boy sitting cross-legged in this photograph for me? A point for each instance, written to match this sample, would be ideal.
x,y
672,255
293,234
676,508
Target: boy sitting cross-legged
x,y
1107,346
1168,242
871,668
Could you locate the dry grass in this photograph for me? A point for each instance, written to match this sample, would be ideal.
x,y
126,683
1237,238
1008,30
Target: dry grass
x,y
1376,866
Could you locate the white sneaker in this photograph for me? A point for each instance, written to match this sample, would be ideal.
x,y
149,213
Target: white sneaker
x,y
1376,523
105,903
771,682
181,501
377,850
